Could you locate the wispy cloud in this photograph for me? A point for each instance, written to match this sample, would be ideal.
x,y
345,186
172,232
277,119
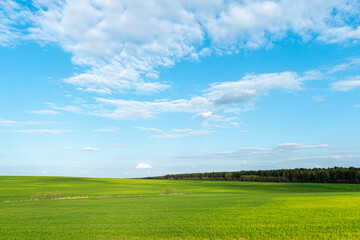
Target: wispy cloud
x,y
106,130
67,148
95,90
217,97
44,112
13,17
177,133
295,146
280,156
42,131
350,64
69,108
148,129
347,85
4,122
90,149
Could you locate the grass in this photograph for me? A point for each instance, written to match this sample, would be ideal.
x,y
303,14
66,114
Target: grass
x,y
85,208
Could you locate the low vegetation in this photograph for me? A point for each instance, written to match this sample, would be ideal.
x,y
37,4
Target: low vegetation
x,y
140,209
168,191
47,196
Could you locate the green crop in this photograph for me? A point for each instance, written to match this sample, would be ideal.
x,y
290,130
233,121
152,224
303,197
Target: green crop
x,y
88,208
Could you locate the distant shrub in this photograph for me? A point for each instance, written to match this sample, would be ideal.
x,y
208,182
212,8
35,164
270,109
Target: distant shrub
x,y
168,191
47,196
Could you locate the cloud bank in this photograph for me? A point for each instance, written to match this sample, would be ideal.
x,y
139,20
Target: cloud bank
x,y
124,44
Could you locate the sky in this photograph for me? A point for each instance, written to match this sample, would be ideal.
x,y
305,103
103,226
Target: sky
x,y
130,88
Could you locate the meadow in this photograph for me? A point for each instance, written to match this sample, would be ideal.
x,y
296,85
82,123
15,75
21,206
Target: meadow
x,y
90,208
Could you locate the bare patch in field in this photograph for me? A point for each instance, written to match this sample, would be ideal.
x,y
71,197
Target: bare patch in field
x,y
58,196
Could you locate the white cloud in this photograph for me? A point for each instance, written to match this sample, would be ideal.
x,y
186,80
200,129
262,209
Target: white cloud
x,y
217,96
219,121
143,166
344,86
42,131
149,129
90,149
125,43
13,18
295,146
67,148
106,130
177,133
95,90
344,156
350,64
9,123
121,41
44,112
252,85
340,34
73,109
203,115
183,130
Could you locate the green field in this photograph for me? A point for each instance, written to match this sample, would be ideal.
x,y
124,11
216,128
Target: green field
x,y
89,208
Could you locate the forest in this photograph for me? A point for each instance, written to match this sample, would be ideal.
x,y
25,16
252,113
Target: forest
x,y
302,175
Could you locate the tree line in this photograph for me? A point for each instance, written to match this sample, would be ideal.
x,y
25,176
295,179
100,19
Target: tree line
x,y
303,175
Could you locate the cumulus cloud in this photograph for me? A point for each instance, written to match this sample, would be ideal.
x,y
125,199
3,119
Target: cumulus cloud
x,y
123,44
143,166
347,85
90,149
121,41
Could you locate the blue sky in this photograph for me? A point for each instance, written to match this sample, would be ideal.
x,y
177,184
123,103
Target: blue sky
x,y
143,88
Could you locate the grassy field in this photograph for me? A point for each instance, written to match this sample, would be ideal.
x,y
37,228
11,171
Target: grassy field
x,y
87,208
